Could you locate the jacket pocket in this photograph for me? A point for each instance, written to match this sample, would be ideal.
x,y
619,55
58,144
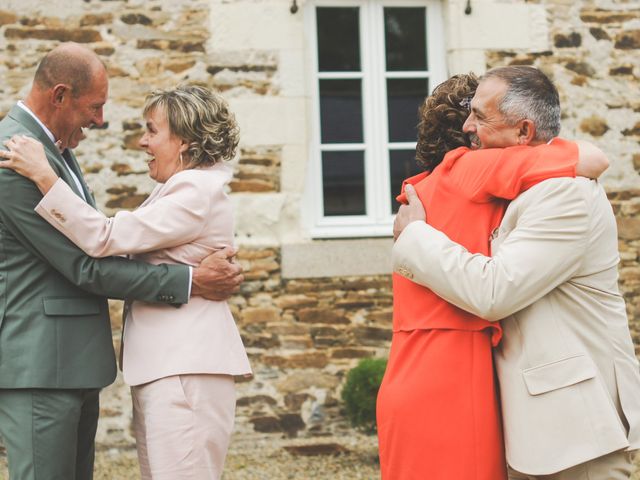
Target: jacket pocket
x,y
70,306
558,374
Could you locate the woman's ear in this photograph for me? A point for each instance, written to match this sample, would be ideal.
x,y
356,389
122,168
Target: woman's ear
x,y
526,132
184,146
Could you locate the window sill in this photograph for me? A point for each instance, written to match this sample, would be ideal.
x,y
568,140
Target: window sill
x,y
337,258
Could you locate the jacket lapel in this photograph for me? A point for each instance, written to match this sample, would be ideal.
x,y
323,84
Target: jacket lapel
x,y
53,154
73,164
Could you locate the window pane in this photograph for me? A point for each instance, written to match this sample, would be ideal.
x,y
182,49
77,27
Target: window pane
x,y
343,183
338,39
405,38
341,111
404,97
402,165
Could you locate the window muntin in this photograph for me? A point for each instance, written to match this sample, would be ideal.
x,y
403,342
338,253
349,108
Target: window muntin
x,y
375,61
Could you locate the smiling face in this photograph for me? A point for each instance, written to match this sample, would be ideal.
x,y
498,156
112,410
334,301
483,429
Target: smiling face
x,y
82,111
486,126
163,147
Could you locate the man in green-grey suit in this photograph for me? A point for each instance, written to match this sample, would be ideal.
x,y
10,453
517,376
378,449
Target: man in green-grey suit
x,y
56,349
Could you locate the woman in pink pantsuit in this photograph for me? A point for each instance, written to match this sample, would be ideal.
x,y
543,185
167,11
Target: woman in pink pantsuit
x,y
179,362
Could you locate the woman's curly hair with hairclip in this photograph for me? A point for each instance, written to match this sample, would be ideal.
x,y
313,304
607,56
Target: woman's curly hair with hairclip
x,y
442,115
201,117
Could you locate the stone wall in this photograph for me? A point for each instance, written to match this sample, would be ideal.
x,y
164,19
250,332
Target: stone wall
x,y
302,334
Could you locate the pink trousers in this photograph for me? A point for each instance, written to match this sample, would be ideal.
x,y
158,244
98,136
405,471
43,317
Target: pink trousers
x,y
183,425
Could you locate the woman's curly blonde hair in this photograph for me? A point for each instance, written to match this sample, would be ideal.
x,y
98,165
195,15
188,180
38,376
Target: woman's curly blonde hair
x,y
202,118
442,115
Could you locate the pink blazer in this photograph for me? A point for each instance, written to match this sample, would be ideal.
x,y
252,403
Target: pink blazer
x,y
182,221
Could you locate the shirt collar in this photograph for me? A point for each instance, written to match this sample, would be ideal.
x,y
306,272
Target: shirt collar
x,y
22,105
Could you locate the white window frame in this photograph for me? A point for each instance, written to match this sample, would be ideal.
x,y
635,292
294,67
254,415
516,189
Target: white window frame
x,y
379,219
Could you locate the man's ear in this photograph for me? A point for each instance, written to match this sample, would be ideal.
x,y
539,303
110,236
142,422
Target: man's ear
x,y
58,93
526,132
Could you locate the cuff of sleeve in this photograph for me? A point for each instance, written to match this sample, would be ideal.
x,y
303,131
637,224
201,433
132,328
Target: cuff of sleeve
x,y
44,203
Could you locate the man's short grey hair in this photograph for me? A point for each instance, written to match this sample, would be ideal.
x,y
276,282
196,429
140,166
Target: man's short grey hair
x,y
530,95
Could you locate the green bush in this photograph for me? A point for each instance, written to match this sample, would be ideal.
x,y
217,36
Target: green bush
x,y
361,390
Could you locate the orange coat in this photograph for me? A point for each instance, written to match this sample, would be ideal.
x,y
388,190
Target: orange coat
x,y
438,413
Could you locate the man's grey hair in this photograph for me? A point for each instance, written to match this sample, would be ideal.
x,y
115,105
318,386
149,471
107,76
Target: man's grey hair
x,y
530,95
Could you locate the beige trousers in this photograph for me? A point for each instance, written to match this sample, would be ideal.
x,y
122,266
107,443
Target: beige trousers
x,y
614,466
183,425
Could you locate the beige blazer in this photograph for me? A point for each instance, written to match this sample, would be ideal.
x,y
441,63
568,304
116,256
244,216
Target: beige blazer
x,y
569,378
182,221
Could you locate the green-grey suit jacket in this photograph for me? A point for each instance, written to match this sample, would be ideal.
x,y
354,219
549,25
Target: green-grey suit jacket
x,y
54,320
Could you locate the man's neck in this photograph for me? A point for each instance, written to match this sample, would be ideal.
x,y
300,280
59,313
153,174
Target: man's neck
x,y
43,114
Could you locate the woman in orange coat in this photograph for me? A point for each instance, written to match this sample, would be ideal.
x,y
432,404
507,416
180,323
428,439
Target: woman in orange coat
x,y
438,413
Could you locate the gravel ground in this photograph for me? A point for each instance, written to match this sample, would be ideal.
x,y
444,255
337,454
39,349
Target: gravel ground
x,y
267,459
263,459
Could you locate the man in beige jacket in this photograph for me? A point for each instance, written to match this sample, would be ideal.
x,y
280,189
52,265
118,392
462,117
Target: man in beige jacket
x,y
569,378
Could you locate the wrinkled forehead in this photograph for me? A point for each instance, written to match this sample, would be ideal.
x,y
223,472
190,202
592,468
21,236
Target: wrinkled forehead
x,y
490,91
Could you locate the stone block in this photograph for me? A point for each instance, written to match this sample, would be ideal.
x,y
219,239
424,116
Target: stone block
x,y
289,329
95,19
264,342
177,65
254,253
298,342
253,185
348,353
104,48
355,303
127,202
572,40
266,424
256,399
294,401
325,331
131,141
316,449
260,315
607,16
297,382
295,301
367,334
300,360
7,18
381,316
150,66
635,130
629,40
322,315
136,18
185,45
265,25
291,423
581,68
599,33
594,125
322,342
78,35
628,228
621,70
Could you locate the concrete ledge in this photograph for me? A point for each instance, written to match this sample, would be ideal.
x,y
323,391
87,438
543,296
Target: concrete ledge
x,y
337,258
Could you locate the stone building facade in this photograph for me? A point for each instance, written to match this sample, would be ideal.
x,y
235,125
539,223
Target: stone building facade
x,y
314,303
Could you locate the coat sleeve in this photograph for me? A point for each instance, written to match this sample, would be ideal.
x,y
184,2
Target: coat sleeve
x,y
544,249
111,277
175,217
507,172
